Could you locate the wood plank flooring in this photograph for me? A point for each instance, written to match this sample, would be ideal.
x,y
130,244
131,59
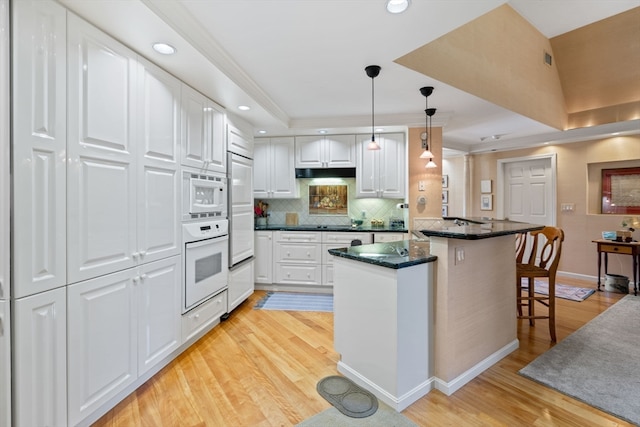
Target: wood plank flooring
x,y
260,368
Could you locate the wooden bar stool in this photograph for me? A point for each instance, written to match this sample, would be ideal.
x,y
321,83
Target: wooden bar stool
x,y
541,263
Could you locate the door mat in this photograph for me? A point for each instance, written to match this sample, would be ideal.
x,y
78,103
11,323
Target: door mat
x,y
347,397
295,301
572,293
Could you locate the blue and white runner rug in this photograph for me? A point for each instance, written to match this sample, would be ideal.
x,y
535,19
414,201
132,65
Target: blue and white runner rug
x,y
295,301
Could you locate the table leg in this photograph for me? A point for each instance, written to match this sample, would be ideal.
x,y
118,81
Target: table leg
x,y
599,263
635,274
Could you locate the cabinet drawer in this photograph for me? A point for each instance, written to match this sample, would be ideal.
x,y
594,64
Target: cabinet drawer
x,y
299,274
327,258
298,253
388,237
327,274
617,249
345,237
297,236
203,315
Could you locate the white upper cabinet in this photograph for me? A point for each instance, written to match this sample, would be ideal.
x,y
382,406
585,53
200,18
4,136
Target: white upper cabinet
x,y
381,173
331,151
5,176
158,147
102,200
274,175
239,139
39,144
203,132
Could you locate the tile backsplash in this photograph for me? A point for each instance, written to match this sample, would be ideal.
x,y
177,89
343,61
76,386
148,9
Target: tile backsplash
x,y
373,208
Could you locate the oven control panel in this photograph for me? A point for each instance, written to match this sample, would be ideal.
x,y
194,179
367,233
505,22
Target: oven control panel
x,y
204,230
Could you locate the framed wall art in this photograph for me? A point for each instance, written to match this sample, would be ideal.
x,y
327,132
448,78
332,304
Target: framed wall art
x,y
328,199
445,181
486,202
485,186
621,191
445,211
445,196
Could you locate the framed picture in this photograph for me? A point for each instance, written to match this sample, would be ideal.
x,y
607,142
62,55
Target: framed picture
x,y
328,199
445,211
445,196
445,181
485,186
621,191
486,202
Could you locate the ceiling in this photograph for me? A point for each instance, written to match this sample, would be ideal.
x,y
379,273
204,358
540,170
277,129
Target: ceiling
x,y
299,64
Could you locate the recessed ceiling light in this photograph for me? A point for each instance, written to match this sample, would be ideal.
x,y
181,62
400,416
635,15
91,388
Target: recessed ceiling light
x,y
379,129
244,107
397,6
262,131
322,131
163,48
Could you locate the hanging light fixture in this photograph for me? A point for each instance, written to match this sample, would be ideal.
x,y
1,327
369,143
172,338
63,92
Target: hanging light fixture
x,y
429,112
372,71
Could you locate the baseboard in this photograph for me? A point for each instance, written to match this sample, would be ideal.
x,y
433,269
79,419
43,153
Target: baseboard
x,y
585,277
451,387
277,287
399,403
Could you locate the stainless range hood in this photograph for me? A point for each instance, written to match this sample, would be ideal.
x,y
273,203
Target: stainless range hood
x,y
326,173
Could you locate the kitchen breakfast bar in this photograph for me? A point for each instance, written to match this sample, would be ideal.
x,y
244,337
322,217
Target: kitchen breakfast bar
x,y
411,316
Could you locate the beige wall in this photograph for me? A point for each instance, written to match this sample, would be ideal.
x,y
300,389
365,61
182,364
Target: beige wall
x,y
574,185
431,177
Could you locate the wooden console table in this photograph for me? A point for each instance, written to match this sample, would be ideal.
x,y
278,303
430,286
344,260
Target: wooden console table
x,y
607,247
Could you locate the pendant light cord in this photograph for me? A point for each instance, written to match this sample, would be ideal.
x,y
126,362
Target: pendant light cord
x,y
373,138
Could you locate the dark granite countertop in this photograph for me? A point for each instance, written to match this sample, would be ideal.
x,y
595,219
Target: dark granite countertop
x,y
309,227
400,254
477,228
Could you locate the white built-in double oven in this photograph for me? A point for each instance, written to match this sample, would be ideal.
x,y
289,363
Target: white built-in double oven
x,y
205,236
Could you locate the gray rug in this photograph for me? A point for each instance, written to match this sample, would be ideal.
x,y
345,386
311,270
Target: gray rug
x,y
385,416
598,364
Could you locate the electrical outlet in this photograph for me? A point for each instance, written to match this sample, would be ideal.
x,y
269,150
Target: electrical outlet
x,y
459,256
420,185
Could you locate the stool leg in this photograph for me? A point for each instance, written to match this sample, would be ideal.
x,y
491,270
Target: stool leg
x,y
518,295
532,321
552,308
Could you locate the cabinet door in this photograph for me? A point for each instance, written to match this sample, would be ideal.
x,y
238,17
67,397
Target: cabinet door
x,y
102,177
239,141
159,325
264,257
40,359
216,146
340,151
158,195
309,152
367,180
5,176
5,362
241,284
102,344
39,144
194,127
392,166
261,168
241,215
283,174
389,237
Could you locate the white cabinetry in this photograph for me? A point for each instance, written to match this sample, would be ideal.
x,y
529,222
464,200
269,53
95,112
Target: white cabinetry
x,y
203,317
119,326
241,284
5,363
39,144
123,157
334,240
274,175
40,359
381,173
264,257
204,128
5,319
297,257
239,141
389,237
331,151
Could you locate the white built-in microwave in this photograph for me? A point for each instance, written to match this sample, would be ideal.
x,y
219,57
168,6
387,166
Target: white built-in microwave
x,y
204,195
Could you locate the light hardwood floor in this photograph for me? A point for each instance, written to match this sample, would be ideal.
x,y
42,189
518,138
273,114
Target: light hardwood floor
x,y
260,368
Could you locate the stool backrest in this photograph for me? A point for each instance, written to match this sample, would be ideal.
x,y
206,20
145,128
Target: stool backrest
x,y
546,249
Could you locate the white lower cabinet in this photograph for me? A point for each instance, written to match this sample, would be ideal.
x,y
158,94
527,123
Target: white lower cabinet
x,y
264,257
389,237
5,364
119,326
40,359
334,240
241,284
297,257
203,316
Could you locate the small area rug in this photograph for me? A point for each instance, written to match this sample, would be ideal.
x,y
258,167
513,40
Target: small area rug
x,y
385,416
597,364
295,301
572,293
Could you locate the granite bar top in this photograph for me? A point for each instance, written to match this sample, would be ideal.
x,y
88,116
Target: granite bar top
x,y
400,254
477,228
313,227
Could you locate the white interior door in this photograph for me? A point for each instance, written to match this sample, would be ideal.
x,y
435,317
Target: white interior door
x,y
528,187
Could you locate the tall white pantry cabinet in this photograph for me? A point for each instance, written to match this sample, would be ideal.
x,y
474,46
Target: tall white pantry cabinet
x,y
96,260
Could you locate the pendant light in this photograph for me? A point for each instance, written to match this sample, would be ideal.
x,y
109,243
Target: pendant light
x,y
372,71
429,112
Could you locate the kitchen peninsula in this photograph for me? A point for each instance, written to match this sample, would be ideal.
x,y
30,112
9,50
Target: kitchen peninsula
x,y
413,316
